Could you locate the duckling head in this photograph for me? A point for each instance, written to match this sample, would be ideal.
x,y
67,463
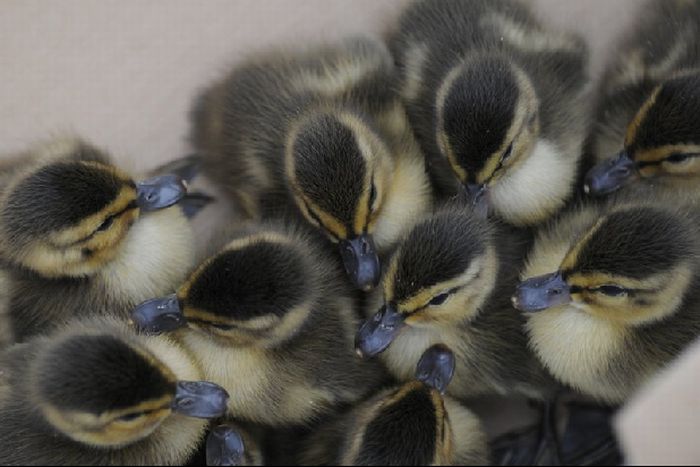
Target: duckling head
x,y
339,171
68,216
662,142
633,266
408,426
259,291
487,127
441,274
101,390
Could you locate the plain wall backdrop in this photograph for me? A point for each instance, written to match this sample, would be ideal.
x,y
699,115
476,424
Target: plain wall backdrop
x,y
123,73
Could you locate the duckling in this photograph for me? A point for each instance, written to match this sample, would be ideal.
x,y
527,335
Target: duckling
x,y
611,292
322,133
270,319
412,424
497,101
449,282
646,128
78,236
96,393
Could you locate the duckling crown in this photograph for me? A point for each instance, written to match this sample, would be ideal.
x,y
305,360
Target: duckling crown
x,y
99,373
636,243
59,195
261,279
673,117
439,249
403,431
478,111
329,167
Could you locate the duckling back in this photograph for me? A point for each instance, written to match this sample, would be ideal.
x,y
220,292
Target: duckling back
x,y
242,123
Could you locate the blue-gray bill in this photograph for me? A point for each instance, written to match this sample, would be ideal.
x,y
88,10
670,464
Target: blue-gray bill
x,y
541,292
477,196
159,315
225,446
610,175
436,367
378,332
361,261
160,192
200,399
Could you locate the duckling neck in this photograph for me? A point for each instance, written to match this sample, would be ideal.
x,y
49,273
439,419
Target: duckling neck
x,y
153,258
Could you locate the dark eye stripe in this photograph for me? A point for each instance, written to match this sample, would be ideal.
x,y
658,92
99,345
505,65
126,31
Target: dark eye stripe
x,y
317,219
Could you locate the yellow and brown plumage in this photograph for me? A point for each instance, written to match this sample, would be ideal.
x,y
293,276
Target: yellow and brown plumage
x,y
321,133
75,238
97,393
497,101
271,319
645,128
610,292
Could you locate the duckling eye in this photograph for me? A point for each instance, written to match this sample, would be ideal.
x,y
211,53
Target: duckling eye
x,y
106,224
439,299
612,290
678,157
129,417
507,153
372,196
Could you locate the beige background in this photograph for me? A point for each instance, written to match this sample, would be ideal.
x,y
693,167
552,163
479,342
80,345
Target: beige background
x,y
123,73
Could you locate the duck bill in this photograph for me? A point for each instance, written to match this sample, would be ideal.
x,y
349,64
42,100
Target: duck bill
x,y
160,192
610,175
542,292
200,399
477,196
436,367
378,332
225,446
159,315
361,261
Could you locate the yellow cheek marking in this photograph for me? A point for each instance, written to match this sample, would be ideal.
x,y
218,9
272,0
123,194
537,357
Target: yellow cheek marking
x,y
106,430
88,225
362,217
571,257
596,279
444,447
389,281
633,126
484,267
689,167
255,324
663,296
441,137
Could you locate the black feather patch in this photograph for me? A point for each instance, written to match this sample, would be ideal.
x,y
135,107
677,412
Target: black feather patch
x,y
99,373
636,243
439,249
261,279
58,196
478,111
674,118
329,166
402,433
